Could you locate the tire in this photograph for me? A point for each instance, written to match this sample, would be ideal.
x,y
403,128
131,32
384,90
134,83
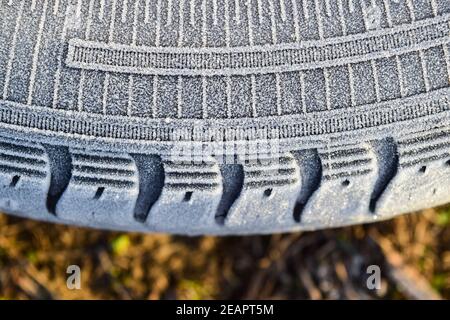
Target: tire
x,y
223,117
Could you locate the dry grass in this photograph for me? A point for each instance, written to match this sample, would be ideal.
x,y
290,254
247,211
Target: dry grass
x,y
413,252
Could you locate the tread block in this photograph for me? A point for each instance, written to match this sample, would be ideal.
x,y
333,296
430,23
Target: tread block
x,y
189,198
103,189
423,176
268,194
24,178
349,174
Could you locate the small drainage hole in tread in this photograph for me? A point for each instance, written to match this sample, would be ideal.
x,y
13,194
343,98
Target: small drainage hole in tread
x,y
346,183
268,192
447,163
14,181
187,196
99,193
423,169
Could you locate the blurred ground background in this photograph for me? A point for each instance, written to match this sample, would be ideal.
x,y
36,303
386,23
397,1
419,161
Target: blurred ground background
x,y
413,252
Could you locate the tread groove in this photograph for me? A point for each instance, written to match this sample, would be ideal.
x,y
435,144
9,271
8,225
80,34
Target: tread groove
x,y
60,161
311,175
233,182
151,182
388,163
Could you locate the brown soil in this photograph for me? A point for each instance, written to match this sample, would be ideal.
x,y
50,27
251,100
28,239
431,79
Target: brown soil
x,y
412,251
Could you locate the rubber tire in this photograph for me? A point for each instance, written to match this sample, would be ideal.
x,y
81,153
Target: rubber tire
x,y
99,100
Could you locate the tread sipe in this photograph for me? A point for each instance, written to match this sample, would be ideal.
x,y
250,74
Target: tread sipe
x,y
223,117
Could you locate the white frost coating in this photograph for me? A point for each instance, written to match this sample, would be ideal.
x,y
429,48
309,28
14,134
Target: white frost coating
x,y
258,59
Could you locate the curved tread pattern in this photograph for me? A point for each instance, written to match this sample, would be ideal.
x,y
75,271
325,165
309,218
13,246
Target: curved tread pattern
x,y
273,182
303,189
24,178
103,189
95,95
190,197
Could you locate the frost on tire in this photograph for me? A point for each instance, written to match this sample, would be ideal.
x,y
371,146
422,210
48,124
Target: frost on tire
x,y
97,99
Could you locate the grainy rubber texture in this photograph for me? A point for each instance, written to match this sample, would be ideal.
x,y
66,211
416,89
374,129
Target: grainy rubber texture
x,y
96,95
